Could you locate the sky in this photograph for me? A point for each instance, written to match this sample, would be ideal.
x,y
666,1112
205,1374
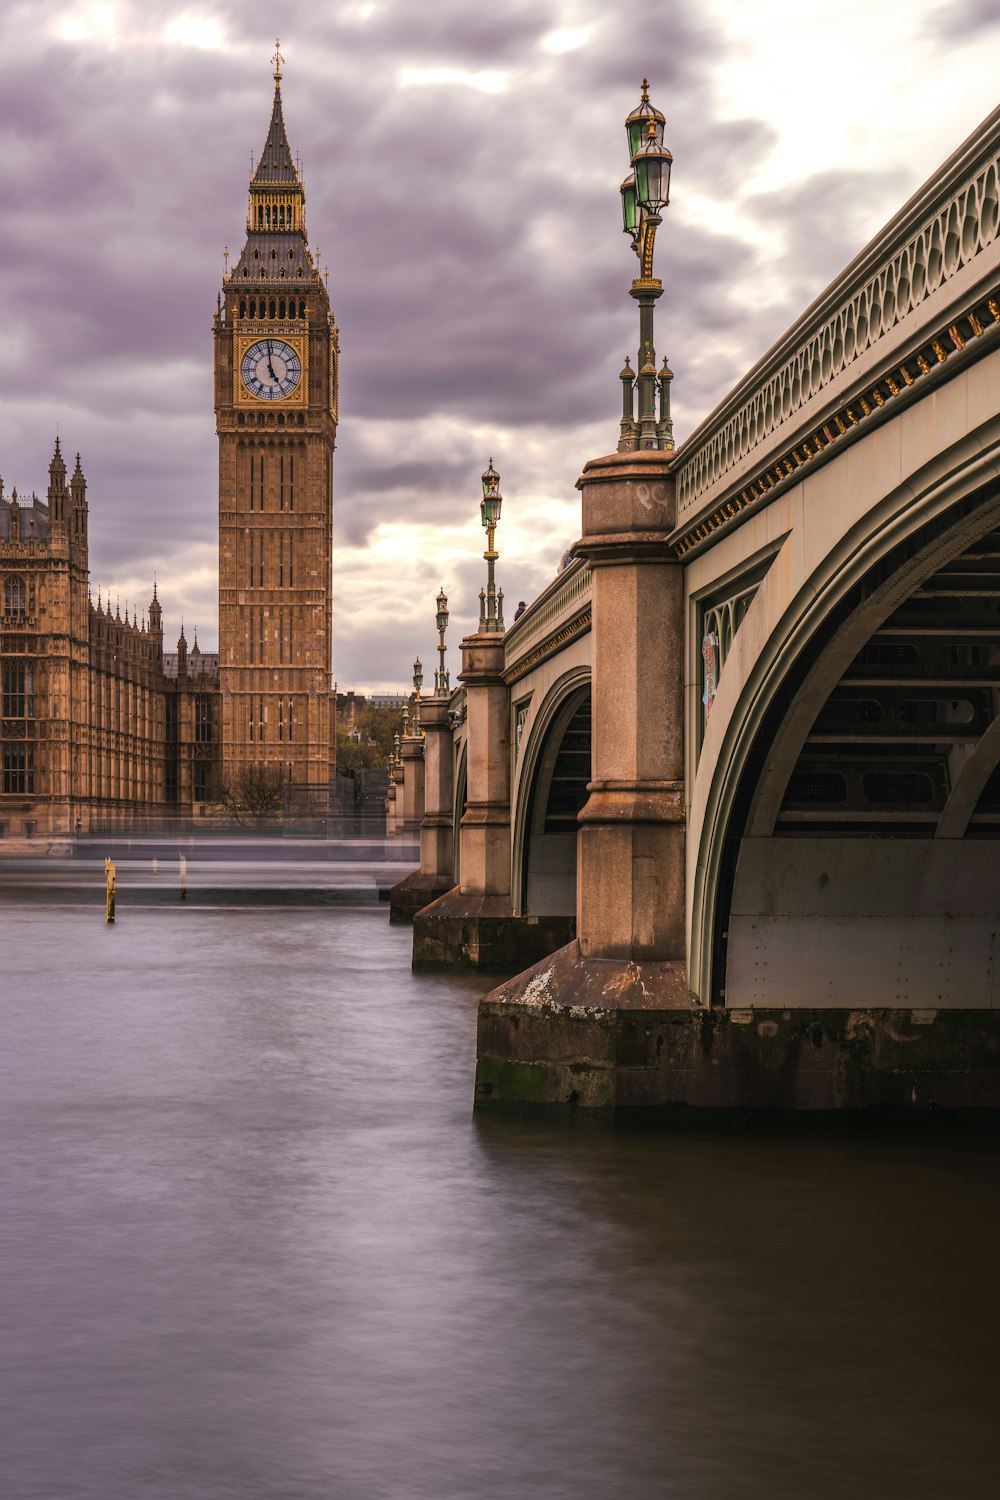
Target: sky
x,y
461,166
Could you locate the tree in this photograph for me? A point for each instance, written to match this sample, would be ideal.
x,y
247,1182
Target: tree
x,y
370,743
355,754
254,790
380,721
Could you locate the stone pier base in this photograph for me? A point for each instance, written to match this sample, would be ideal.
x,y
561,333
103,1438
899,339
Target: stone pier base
x,y
480,932
607,1035
413,893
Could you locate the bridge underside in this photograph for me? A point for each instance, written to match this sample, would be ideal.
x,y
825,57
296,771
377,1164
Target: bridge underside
x,y
871,877
892,744
559,791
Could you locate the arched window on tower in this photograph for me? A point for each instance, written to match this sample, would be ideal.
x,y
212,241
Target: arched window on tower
x,y
270,307
243,307
281,308
14,598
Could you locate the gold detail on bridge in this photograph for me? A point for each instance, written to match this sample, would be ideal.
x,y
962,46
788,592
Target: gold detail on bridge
x,y
898,380
577,626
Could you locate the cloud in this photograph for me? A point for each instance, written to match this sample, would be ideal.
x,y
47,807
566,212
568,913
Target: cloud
x,y
963,22
462,168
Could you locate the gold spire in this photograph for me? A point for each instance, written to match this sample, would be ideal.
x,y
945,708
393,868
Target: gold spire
x,y
277,59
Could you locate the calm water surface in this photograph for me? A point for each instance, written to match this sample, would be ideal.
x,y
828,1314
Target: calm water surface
x,y
254,1245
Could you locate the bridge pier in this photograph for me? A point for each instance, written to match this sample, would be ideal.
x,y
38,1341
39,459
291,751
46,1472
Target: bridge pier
x,y
437,856
473,925
550,1034
391,819
411,749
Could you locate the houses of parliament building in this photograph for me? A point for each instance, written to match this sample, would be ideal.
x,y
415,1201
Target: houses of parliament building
x,y
100,727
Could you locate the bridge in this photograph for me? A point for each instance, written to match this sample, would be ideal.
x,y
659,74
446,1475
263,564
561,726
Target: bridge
x,y
728,793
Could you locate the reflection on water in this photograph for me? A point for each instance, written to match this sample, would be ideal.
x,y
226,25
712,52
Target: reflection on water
x,y
255,1246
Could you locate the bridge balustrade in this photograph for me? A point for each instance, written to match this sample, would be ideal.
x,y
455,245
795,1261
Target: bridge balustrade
x,y
890,320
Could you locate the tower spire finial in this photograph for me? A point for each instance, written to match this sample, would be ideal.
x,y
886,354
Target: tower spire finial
x,y
277,59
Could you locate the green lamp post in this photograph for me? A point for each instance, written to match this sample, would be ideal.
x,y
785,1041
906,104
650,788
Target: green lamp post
x,y
645,194
418,682
442,682
490,600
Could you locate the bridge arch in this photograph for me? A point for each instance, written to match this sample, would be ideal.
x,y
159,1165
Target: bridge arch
x,y
550,789
835,708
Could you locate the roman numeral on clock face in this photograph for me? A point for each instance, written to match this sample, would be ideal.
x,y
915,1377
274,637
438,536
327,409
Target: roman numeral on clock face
x,y
270,369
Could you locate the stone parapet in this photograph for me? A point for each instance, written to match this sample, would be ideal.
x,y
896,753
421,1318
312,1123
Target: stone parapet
x,y
918,273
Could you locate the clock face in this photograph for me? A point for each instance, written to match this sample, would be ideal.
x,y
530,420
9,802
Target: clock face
x,y
270,369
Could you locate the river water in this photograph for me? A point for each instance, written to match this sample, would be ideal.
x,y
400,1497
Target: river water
x,y
254,1246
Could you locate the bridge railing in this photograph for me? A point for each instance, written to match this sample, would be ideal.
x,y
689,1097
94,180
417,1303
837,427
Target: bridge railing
x,y
563,606
921,271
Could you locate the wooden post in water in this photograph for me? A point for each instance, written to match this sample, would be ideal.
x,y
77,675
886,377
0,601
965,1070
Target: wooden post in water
x,y
109,892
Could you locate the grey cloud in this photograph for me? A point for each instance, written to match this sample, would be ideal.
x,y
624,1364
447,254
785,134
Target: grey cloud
x,y
961,22
827,219
478,270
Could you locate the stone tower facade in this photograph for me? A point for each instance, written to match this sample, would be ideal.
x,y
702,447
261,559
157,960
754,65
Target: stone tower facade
x,y
276,351
100,728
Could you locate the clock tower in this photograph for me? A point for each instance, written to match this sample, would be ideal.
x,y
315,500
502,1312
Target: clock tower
x,y
276,350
